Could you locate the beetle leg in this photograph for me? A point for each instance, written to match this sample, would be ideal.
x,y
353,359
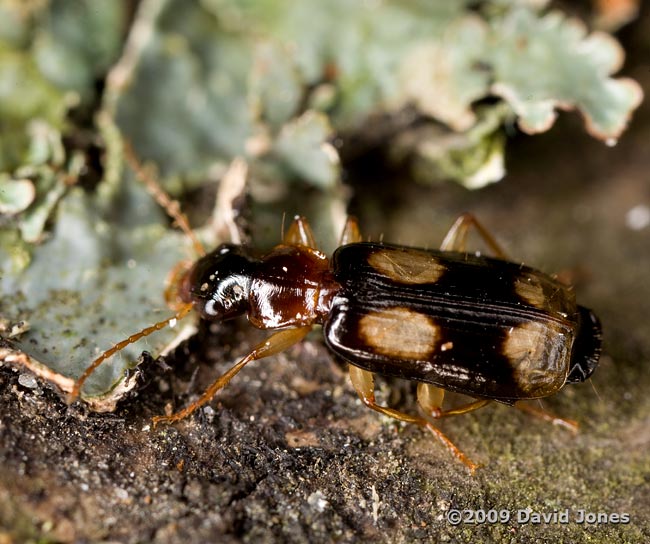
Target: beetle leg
x,y
430,397
430,400
457,236
276,343
364,384
351,233
300,233
569,424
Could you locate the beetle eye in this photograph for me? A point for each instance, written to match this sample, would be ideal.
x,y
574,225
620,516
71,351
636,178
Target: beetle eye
x,y
229,299
219,283
209,308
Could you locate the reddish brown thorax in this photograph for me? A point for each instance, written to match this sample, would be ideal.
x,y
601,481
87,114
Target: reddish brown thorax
x,y
292,286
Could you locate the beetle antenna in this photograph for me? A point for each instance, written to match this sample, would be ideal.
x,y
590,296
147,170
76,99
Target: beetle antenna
x,y
76,388
595,390
171,206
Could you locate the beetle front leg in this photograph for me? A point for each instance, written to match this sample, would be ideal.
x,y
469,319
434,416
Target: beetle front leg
x,y
364,384
276,343
300,233
457,236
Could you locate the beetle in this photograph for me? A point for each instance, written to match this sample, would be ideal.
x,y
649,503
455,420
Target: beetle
x,y
447,319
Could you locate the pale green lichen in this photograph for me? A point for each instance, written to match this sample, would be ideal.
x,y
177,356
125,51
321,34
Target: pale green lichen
x,y
15,194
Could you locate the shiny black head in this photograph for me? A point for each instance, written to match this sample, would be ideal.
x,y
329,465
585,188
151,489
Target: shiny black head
x,y
586,347
219,283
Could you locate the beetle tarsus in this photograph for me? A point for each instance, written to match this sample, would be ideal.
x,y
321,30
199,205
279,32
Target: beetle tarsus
x,y
451,447
568,424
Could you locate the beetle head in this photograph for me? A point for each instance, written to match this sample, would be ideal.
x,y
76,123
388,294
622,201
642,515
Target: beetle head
x,y
219,283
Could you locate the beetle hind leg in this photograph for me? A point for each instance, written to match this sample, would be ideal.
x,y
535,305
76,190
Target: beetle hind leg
x,y
364,384
457,236
568,424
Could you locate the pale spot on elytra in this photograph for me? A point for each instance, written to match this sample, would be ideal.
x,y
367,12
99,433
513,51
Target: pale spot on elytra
x,y
530,291
399,333
407,267
538,358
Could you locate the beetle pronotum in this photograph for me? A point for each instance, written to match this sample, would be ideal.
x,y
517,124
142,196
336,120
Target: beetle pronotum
x,y
450,320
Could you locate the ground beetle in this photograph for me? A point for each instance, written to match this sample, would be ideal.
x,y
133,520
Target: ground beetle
x,y
449,320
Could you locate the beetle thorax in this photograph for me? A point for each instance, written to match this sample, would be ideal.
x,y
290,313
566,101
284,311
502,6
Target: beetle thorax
x,y
292,287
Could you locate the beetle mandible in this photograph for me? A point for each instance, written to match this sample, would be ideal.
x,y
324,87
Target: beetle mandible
x,y
448,319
